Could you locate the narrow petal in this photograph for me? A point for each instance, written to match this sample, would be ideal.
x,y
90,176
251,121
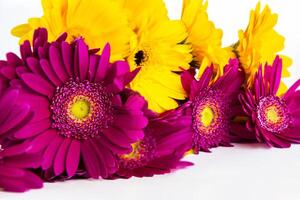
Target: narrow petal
x,y
83,59
103,64
57,63
38,84
60,158
73,158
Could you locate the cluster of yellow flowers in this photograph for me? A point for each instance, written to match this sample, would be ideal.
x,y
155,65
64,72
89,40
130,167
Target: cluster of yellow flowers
x,y
141,33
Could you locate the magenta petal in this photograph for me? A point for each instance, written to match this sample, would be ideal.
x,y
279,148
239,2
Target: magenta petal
x,y
67,57
101,162
25,50
48,70
50,153
83,59
24,161
32,180
186,81
13,59
130,76
73,158
118,137
38,84
7,101
10,171
16,116
94,60
59,161
13,185
107,155
8,72
113,147
103,64
133,122
14,150
42,141
292,89
90,160
276,78
57,63
34,65
135,102
32,129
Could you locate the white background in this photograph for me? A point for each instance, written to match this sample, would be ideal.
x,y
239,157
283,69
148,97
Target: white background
x,y
245,172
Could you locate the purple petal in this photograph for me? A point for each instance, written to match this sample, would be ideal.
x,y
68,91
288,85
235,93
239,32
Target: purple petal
x,y
38,84
7,102
48,70
73,158
103,64
50,153
83,59
17,115
57,63
42,141
32,129
60,158
67,57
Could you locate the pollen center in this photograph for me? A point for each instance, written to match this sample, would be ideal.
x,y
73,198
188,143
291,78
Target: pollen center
x,y
80,108
139,57
272,114
134,154
207,116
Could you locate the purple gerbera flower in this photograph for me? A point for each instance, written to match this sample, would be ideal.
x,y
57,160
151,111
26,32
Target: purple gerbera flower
x,y
14,163
159,152
211,106
272,119
81,121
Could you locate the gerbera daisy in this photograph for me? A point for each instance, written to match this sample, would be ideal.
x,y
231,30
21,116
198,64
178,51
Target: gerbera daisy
x,y
98,22
272,119
260,43
14,163
205,38
211,106
159,50
159,152
79,113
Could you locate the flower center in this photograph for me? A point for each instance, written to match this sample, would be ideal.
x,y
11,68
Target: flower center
x,y
134,154
139,57
81,109
142,152
273,114
207,116
210,118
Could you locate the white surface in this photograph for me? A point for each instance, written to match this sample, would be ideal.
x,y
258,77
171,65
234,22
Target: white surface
x,y
246,172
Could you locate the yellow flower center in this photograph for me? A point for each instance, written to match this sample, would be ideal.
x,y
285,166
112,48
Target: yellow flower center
x,y
134,154
272,114
80,108
207,116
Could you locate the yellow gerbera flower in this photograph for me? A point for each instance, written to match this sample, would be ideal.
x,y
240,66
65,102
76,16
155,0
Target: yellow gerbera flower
x,y
159,50
98,22
205,38
260,43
